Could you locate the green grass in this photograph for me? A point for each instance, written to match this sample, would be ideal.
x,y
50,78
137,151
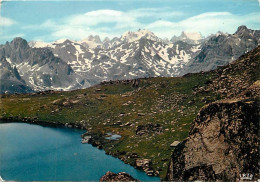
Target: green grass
x,y
164,101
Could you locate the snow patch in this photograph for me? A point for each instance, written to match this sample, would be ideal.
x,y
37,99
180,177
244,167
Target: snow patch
x,y
195,48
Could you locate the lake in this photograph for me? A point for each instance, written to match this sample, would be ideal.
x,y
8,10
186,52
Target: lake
x,y
31,152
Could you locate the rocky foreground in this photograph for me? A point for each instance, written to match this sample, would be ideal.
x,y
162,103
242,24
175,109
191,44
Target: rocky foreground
x,y
223,144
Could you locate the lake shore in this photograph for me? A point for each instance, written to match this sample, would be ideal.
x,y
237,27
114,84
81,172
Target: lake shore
x,y
54,154
95,140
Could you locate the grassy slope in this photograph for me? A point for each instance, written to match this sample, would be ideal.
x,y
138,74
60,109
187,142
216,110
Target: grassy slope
x,y
162,101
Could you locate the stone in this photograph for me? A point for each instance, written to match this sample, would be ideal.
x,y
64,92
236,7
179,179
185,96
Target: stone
x,y
148,129
86,139
175,144
113,177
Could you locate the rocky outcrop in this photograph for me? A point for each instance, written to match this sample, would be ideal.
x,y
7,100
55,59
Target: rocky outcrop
x,y
122,176
149,128
145,165
222,144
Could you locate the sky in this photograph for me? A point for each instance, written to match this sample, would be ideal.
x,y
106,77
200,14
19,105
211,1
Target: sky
x,y
70,19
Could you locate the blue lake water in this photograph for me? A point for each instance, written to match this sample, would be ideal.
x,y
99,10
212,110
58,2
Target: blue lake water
x,y
37,153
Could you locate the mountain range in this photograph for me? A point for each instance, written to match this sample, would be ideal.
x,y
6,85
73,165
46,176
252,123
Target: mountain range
x,y
67,65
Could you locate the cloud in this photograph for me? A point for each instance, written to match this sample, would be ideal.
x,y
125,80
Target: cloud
x,y
6,21
162,21
206,23
155,12
4,37
104,22
5,24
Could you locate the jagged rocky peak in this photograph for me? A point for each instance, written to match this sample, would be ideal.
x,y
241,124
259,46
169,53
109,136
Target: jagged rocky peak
x,y
189,37
247,34
242,29
59,41
219,50
106,39
97,39
220,33
141,33
20,43
91,42
93,38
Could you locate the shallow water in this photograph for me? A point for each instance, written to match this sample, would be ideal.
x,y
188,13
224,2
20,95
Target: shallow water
x,y
37,153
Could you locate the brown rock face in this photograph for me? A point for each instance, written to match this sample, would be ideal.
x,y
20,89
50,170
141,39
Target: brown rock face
x,y
222,145
109,176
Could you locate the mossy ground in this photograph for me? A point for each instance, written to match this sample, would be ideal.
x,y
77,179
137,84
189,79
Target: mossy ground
x,y
121,108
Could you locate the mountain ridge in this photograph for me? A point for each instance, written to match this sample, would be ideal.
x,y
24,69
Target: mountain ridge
x,y
132,56
38,67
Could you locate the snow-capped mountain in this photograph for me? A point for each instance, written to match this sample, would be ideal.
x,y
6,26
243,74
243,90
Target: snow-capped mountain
x,y
67,64
38,67
41,44
222,49
134,58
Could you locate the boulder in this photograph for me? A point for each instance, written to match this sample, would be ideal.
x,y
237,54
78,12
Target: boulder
x,y
175,144
122,176
149,128
223,144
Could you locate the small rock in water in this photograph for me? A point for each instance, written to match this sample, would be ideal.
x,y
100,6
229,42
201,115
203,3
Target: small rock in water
x,y
86,139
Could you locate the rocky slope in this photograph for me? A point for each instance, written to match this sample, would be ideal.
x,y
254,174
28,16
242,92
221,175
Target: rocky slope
x,y
38,67
223,143
10,80
222,49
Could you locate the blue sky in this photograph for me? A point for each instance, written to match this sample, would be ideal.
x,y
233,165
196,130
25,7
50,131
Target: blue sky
x,y
52,20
